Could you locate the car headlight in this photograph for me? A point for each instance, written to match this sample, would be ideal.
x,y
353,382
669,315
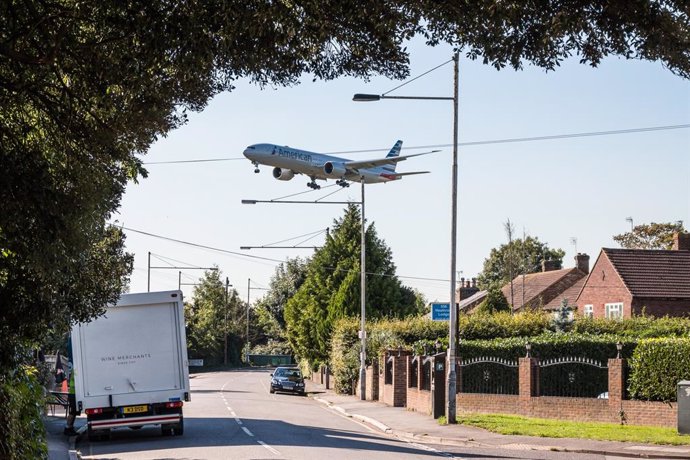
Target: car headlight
x,y
300,384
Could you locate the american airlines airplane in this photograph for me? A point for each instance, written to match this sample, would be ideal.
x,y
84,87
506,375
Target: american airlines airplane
x,y
287,162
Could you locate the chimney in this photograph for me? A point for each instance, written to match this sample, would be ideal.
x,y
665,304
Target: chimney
x,y
582,262
549,265
466,290
681,242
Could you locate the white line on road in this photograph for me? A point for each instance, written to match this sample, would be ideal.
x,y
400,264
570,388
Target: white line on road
x,y
270,449
246,430
239,422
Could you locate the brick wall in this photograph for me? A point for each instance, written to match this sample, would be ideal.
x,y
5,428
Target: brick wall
x,y
604,286
660,308
528,402
417,399
394,394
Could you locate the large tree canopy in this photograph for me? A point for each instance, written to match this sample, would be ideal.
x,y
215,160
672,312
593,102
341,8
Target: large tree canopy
x,y
331,289
517,257
85,86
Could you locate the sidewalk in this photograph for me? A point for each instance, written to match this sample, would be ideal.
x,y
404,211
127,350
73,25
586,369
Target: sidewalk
x,y
413,426
60,447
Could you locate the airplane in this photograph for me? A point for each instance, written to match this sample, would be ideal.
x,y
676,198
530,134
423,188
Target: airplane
x,y
287,162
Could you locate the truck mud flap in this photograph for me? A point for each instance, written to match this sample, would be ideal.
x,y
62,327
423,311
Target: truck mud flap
x,y
135,421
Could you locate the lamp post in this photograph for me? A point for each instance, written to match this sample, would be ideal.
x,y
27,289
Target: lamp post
x,y
451,384
363,301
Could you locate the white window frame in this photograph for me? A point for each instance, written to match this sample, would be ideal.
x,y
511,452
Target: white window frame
x,y
589,311
615,307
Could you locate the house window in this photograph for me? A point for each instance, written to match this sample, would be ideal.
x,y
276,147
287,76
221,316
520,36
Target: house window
x,y
589,311
614,310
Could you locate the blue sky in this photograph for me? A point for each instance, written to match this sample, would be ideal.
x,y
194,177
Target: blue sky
x,y
554,190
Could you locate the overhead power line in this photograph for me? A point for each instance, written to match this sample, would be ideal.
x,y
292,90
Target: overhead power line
x,y
469,144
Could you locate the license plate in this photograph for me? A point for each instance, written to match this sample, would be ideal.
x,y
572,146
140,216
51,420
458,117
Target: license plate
x,y
135,409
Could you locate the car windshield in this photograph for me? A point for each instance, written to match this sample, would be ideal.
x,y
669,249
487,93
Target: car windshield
x,y
287,373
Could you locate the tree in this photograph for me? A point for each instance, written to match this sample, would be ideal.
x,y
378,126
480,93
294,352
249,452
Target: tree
x,y
270,309
563,319
494,302
207,317
650,236
85,87
331,289
529,250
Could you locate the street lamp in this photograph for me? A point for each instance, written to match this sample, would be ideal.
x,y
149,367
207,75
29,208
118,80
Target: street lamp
x,y
451,384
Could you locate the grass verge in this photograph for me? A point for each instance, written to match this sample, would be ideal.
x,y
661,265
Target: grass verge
x,y
517,425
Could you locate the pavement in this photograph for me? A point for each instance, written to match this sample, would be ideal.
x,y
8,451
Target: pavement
x,y
422,428
61,447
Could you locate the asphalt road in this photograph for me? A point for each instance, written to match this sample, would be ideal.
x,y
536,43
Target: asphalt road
x,y
233,416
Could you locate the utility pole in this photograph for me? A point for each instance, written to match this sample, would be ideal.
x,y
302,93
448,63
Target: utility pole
x,y
225,327
246,353
363,303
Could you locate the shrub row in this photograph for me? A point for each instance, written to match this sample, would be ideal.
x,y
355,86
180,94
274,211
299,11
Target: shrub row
x,y
656,367
504,336
22,434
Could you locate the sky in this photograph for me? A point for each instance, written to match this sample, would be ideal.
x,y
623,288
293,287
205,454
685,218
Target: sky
x,y
572,193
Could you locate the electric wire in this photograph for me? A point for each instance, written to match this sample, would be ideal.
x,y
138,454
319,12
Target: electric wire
x,y
471,143
277,261
417,77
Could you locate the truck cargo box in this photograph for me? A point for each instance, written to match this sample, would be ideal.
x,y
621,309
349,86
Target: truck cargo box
x,y
131,364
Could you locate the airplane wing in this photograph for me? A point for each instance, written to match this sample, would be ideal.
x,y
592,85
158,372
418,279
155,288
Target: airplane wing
x,y
381,161
408,173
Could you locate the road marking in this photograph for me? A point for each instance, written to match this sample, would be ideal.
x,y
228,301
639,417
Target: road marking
x,y
239,422
246,430
339,414
270,449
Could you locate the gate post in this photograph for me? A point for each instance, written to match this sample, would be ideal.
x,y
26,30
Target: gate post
x,y
529,378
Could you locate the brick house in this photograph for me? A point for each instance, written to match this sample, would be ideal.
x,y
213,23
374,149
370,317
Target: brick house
x,y
542,290
626,282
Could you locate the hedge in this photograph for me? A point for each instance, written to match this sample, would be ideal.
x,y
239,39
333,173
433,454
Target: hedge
x,y
22,434
504,335
638,326
656,367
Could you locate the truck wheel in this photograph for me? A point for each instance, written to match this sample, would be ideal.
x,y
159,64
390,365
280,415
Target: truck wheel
x,y
178,429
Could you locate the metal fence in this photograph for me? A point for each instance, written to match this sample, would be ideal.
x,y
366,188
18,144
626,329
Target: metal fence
x,y
490,375
573,377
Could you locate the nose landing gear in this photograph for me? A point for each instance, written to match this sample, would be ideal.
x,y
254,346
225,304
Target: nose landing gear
x,y
256,167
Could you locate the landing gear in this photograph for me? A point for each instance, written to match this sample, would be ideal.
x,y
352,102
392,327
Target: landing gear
x,y
313,185
343,183
256,167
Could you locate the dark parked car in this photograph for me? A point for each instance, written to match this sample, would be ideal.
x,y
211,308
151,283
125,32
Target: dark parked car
x,y
287,379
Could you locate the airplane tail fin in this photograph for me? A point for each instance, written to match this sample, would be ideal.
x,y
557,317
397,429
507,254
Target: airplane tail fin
x,y
394,152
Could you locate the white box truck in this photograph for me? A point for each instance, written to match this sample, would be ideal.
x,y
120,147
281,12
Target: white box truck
x,y
131,365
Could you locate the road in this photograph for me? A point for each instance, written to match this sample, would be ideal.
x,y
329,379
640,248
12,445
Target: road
x,y
233,416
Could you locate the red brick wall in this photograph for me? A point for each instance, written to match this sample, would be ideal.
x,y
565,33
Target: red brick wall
x,y
661,307
604,286
419,400
575,409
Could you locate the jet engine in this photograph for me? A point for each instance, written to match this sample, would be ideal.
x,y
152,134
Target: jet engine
x,y
283,174
334,169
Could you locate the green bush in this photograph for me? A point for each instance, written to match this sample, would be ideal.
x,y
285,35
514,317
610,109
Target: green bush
x,y
22,434
638,326
502,325
656,367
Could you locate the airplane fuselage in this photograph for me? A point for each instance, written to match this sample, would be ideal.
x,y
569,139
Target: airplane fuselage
x,y
314,165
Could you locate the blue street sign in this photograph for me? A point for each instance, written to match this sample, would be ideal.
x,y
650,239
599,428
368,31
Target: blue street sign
x,y
440,311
